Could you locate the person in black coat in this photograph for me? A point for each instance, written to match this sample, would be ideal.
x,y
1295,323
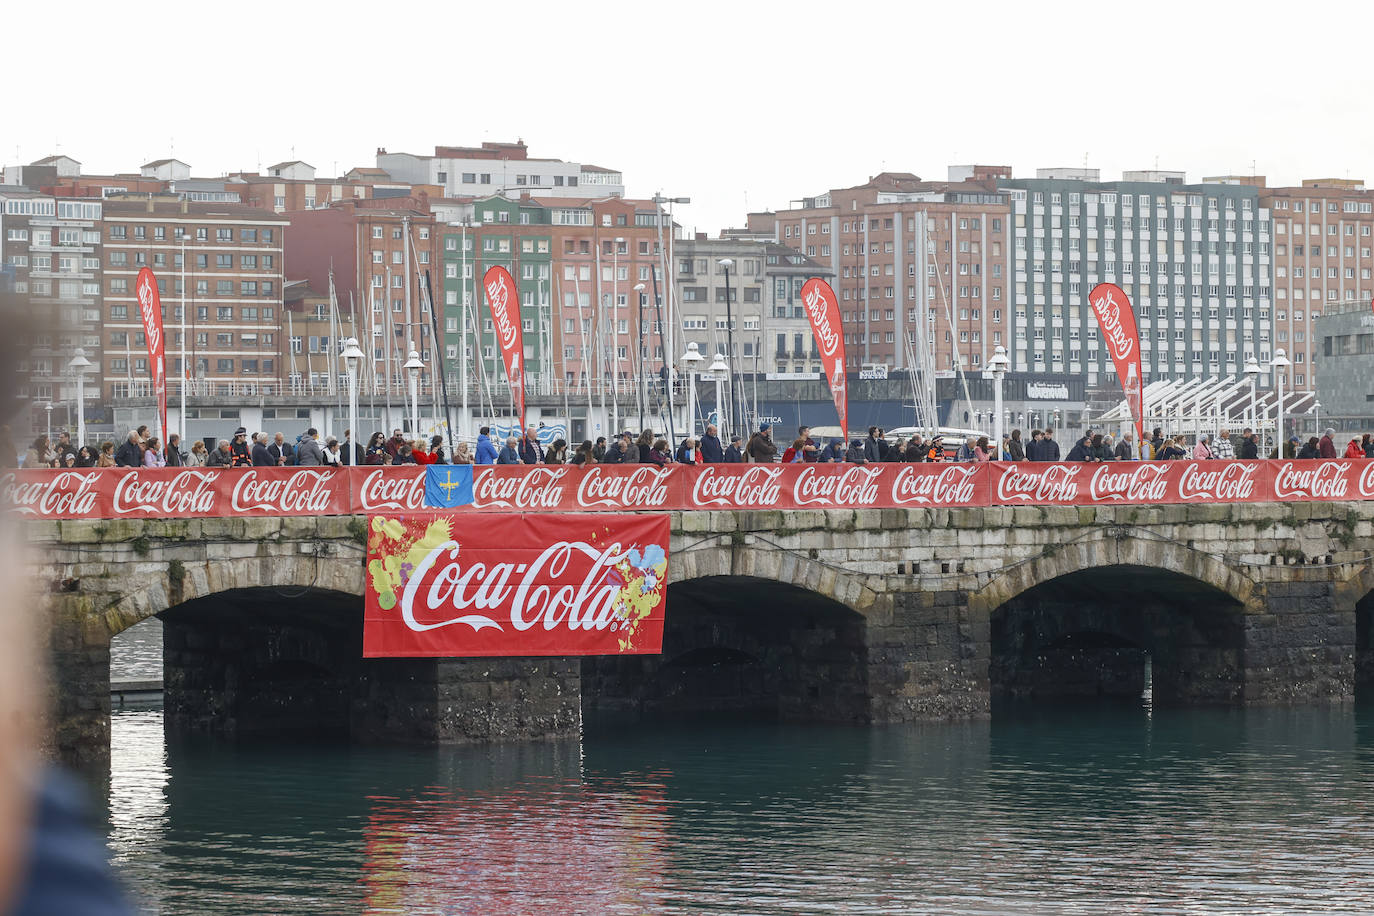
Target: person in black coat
x,y
1249,448
734,454
711,450
129,454
1082,451
238,448
262,455
858,451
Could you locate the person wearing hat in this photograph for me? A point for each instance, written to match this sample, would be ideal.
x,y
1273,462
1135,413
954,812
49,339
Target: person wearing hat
x,y
238,448
733,453
761,448
833,452
936,452
856,454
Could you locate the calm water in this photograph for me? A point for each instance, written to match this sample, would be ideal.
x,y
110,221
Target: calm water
x,y
1088,809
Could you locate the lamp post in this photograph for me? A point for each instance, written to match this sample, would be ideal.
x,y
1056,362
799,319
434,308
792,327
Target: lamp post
x,y
727,263
1317,409
997,366
353,357
413,366
641,391
1279,364
690,360
48,407
1252,371
79,365
720,371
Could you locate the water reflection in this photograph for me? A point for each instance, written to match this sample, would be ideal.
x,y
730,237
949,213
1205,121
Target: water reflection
x,y
1098,808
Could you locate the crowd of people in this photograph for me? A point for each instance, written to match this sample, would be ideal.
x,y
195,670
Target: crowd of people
x,y
241,449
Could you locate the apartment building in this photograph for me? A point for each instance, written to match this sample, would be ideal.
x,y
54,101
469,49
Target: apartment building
x,y
377,252
231,259
576,263
917,265
500,168
1323,233
52,248
772,333
1195,261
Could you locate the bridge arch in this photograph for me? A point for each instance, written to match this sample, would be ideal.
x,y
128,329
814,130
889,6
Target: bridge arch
x,y
1107,614
749,630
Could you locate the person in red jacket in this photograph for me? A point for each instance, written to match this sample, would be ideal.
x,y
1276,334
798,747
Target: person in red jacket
x,y
1353,450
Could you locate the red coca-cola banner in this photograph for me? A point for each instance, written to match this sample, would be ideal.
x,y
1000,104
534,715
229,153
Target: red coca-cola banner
x,y
176,492
150,309
504,302
458,584
224,492
824,311
1117,320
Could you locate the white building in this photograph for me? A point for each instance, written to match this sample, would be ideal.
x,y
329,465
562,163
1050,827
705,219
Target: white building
x,y
501,168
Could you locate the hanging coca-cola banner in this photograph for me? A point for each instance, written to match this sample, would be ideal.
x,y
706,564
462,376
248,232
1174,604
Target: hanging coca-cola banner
x,y
150,309
462,584
824,311
96,493
504,301
1116,318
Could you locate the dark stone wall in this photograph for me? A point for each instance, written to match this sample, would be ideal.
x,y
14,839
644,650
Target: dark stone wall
x,y
743,646
932,660
79,684
1302,647
1088,636
239,665
1364,643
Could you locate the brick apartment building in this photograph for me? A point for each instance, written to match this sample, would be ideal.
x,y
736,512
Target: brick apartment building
x,y
233,293
903,250
1323,234
378,250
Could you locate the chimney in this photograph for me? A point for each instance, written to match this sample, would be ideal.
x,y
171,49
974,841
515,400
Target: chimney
x,y
150,203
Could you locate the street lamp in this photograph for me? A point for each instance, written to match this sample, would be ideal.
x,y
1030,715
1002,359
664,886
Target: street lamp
x,y
997,367
79,365
641,391
690,360
1317,409
726,264
353,357
1279,364
1252,371
720,372
413,366
48,407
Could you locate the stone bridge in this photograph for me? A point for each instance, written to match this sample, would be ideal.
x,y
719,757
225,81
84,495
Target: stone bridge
x,y
865,616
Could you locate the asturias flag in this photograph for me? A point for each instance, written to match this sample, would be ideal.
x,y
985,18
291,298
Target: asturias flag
x,y
448,485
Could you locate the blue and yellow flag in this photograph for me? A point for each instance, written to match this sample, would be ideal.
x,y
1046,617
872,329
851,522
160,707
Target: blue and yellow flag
x,y
448,485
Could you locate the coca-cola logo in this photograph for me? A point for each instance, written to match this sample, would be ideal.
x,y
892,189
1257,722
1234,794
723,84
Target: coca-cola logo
x,y
755,487
854,486
1038,484
66,494
499,296
818,310
1223,481
1366,483
381,490
642,488
1136,482
1108,310
150,310
536,488
305,492
1322,480
185,493
567,585
951,485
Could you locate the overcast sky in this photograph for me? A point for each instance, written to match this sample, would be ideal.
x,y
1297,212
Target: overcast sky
x,y
737,105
